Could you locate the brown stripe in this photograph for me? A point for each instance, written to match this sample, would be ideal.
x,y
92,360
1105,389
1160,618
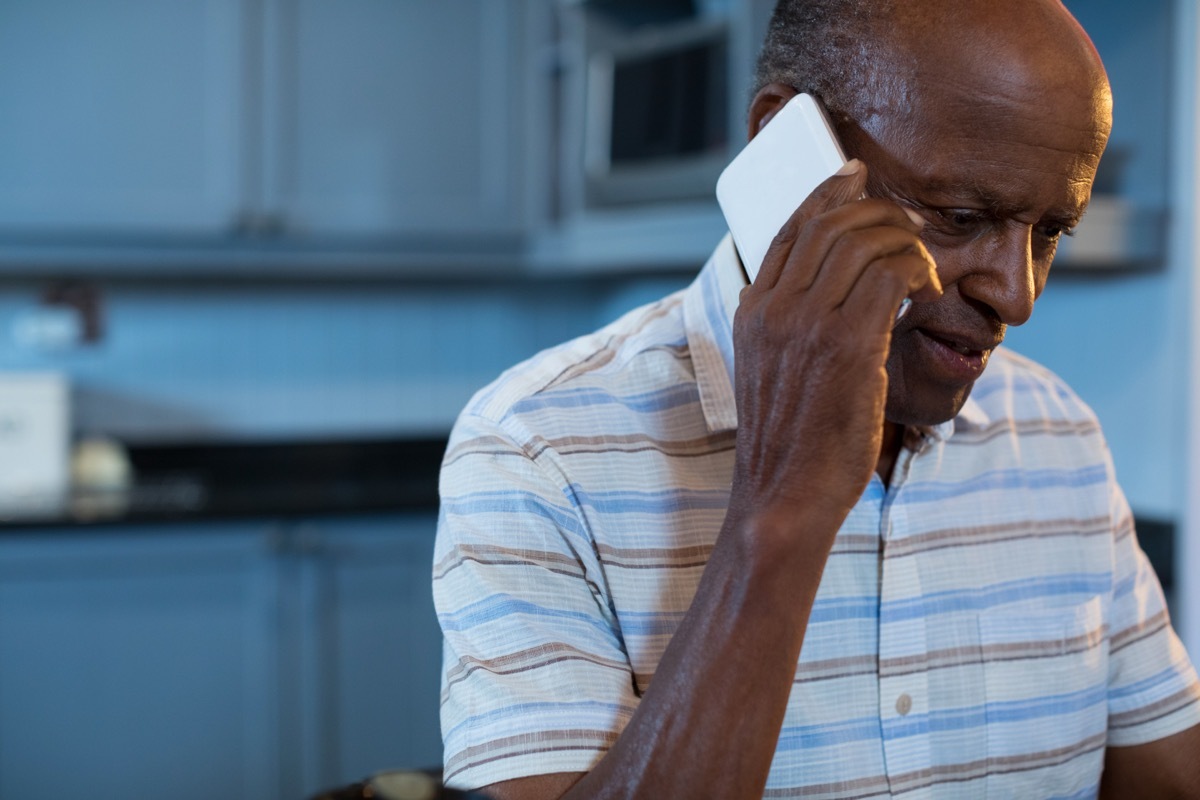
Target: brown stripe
x,y
633,443
1142,630
832,668
994,534
495,555
481,446
550,741
655,558
527,660
857,789
998,765
1164,707
1023,428
608,351
856,543
814,671
1009,651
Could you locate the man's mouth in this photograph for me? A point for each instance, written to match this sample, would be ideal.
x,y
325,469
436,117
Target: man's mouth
x,y
958,358
954,344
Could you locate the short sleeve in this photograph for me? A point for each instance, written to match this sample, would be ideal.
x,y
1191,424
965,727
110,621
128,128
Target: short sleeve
x,y
535,678
1153,691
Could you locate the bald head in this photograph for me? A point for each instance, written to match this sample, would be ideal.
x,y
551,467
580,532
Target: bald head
x,y
867,58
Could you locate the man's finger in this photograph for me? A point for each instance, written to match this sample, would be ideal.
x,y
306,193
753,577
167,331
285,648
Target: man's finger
x,y
844,186
885,283
849,256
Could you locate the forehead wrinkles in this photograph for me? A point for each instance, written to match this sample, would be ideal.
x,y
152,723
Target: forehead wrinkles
x,y
979,49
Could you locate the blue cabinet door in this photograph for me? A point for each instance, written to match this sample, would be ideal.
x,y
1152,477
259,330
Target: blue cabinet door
x,y
120,117
138,663
397,119
371,648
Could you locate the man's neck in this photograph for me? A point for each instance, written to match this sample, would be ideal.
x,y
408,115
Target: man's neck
x,y
889,451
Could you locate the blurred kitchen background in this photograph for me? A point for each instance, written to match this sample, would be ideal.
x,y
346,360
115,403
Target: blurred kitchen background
x,y
256,254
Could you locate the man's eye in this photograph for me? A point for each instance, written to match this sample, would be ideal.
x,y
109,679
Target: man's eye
x,y
960,220
1055,231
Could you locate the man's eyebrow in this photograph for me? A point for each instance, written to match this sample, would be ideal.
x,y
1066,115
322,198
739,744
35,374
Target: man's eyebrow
x,y
980,197
966,191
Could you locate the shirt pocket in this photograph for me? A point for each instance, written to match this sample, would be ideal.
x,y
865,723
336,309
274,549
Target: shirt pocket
x,y
1046,698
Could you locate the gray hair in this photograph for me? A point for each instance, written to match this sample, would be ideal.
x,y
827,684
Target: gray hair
x,y
828,48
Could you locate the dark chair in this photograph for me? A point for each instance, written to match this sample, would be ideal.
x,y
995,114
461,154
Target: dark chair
x,y
400,785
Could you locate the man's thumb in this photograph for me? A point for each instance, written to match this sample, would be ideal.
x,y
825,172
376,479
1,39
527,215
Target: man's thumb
x,y
850,183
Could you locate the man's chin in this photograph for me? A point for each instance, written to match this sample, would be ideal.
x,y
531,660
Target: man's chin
x,y
926,409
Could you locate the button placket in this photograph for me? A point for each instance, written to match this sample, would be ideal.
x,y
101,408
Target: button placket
x,y
903,681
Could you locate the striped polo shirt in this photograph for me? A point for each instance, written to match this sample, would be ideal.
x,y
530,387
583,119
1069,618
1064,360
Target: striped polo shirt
x,y
984,626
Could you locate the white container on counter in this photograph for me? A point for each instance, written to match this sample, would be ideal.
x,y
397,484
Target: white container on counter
x,y
35,423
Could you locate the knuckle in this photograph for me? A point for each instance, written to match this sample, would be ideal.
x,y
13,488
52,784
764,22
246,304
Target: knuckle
x,y
785,236
822,230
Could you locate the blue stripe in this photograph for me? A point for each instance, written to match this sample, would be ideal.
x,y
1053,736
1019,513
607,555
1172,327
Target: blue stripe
x,y
844,608
1038,479
649,402
1125,586
718,320
664,502
838,609
614,709
1023,385
514,502
649,623
500,606
987,597
1089,793
959,719
1146,684
802,737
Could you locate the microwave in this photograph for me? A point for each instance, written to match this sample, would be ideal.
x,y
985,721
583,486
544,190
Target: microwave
x,y
645,110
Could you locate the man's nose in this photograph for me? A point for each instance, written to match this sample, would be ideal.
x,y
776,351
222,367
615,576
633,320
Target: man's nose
x,y
1007,277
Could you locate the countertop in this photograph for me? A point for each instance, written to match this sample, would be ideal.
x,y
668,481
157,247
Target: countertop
x,y
206,481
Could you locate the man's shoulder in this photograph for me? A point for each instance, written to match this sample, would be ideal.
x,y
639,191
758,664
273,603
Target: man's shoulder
x,y
625,364
1015,386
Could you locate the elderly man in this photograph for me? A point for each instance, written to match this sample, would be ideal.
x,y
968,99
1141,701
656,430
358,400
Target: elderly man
x,y
753,541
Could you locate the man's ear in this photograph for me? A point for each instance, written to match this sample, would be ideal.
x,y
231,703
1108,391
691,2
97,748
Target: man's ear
x,y
766,104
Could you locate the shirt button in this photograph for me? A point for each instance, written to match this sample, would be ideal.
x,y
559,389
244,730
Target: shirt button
x,y
903,705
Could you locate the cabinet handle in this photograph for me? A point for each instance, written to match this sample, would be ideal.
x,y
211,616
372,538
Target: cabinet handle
x,y
259,225
276,540
308,541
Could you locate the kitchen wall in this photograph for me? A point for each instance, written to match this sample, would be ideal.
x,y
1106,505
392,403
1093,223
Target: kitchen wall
x,y
207,361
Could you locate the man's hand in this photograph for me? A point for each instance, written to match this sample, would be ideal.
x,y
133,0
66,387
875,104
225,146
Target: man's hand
x,y
811,338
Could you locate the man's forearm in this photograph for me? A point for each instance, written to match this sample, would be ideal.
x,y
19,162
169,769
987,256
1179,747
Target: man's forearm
x,y
710,720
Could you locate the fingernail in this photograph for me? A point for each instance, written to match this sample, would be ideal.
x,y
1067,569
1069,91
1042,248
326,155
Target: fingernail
x,y
850,167
917,219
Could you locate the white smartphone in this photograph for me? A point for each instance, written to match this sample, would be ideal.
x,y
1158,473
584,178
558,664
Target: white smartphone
x,y
776,171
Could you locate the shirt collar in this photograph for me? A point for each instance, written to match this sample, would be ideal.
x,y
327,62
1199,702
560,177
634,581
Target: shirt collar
x,y
708,309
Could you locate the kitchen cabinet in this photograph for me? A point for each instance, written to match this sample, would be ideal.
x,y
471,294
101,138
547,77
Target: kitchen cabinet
x,y
122,118
138,663
218,135
369,649
394,119
251,660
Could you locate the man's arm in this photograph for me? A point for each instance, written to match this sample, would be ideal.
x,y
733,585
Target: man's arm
x,y
1167,769
811,339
